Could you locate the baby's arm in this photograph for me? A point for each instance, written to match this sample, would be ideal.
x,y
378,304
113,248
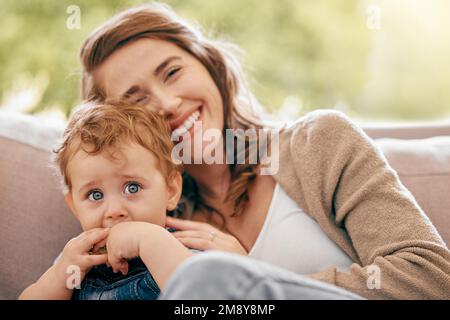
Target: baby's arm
x,y
162,254
52,285
160,251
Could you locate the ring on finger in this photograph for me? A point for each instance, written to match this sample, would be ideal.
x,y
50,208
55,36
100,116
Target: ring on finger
x,y
213,235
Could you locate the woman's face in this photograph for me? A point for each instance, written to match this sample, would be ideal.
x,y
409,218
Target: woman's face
x,y
161,76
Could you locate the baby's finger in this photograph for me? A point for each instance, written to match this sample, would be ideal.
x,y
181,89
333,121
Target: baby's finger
x,y
97,259
100,245
124,268
93,237
115,263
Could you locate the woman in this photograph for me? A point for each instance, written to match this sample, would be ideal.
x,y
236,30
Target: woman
x,y
334,211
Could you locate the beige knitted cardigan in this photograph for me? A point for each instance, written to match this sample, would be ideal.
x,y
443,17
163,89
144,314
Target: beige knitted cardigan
x,y
334,172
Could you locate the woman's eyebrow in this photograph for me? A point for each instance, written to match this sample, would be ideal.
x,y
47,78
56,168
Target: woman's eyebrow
x,y
132,90
164,64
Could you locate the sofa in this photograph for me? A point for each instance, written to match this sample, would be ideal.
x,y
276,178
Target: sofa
x,y
35,223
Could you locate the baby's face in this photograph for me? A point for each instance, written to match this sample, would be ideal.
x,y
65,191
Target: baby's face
x,y
106,191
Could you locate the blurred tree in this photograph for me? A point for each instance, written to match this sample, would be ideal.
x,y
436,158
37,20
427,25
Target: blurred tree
x,y
301,54
409,65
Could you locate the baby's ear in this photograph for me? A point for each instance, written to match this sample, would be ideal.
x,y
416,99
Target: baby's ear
x,y
69,202
174,189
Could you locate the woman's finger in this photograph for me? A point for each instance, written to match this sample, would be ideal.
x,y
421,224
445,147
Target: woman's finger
x,y
195,234
181,224
202,236
187,233
197,243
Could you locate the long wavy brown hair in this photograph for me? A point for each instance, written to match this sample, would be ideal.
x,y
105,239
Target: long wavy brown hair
x,y
159,21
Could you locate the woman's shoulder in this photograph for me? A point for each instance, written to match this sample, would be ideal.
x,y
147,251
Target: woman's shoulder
x,y
323,137
321,119
323,127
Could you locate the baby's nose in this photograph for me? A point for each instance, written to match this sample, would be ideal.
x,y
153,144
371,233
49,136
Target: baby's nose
x,y
114,217
116,211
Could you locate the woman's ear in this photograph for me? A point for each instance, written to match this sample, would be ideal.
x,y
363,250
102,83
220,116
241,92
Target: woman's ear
x,y
69,202
174,189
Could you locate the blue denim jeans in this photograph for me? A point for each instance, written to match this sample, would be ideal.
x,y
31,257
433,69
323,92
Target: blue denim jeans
x,y
101,283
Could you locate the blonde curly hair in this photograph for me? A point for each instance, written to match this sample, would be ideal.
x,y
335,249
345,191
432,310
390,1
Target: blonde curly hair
x,y
98,128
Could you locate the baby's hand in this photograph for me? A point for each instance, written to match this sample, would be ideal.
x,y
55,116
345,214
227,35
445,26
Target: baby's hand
x,y
124,243
78,251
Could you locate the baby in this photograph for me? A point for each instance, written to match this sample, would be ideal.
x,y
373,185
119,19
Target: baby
x,y
120,182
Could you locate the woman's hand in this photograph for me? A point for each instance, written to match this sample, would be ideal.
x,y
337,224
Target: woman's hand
x,y
203,236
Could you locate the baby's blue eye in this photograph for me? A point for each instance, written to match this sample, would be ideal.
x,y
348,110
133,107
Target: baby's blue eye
x,y
132,188
95,196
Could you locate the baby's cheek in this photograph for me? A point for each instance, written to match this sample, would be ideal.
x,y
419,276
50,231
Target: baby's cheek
x,y
89,222
87,227
154,215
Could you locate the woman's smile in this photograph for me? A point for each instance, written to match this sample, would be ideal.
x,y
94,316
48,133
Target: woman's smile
x,y
187,127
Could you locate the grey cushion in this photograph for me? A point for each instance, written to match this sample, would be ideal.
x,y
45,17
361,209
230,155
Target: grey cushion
x,y
423,166
35,223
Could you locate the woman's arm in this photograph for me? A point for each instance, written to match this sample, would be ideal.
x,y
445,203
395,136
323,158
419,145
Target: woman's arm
x,y
358,200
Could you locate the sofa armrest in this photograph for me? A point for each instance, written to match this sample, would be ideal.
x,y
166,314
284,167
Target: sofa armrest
x,y
406,131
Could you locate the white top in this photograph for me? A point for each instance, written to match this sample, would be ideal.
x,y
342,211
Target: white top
x,y
293,240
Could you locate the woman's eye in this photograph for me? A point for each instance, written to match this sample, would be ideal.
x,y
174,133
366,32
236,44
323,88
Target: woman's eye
x,y
132,188
95,196
172,72
140,99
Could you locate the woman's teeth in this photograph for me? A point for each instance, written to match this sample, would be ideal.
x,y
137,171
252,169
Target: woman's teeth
x,y
188,123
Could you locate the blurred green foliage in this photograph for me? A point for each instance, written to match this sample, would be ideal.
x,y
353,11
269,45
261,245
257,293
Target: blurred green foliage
x,y
300,54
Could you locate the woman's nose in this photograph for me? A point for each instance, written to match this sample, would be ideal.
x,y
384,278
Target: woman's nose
x,y
168,104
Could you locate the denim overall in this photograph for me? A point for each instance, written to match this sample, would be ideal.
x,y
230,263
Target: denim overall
x,y
101,283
